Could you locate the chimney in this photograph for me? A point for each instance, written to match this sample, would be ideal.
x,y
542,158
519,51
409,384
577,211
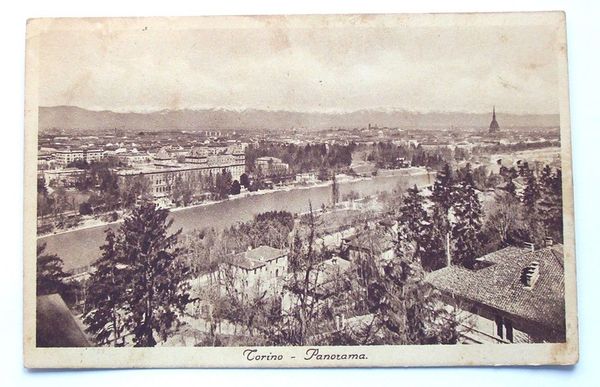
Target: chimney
x,y
530,245
530,274
548,242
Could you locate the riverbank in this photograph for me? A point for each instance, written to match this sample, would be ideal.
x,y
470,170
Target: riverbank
x,y
91,223
79,248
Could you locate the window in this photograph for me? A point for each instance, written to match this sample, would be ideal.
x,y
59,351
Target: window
x,y
504,329
499,327
276,272
509,330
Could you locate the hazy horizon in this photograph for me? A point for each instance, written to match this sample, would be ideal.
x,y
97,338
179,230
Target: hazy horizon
x,y
332,111
274,64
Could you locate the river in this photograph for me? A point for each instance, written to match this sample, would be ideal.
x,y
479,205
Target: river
x,y
79,248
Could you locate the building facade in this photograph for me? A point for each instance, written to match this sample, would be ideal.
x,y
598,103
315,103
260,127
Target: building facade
x,y
271,166
65,177
256,270
200,162
64,157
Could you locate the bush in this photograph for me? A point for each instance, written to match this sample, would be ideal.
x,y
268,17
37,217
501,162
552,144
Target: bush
x,y
85,208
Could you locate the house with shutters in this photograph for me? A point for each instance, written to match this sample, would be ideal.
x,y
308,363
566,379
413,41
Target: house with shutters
x,y
513,295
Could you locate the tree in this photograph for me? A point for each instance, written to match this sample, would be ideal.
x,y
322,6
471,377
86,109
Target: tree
x,y
335,190
50,277
245,180
109,189
421,230
85,208
182,190
223,184
550,204
531,194
245,306
405,307
156,290
300,321
135,188
41,186
60,200
235,188
443,198
530,202
45,204
442,189
467,213
505,220
104,313
412,214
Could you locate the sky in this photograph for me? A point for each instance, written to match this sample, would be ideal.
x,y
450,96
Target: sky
x,y
322,68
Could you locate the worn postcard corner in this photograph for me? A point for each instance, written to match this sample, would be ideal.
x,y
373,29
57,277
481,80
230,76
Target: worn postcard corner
x,y
298,191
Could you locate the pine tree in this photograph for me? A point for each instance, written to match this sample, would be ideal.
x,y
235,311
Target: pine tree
x,y
434,255
404,305
50,277
550,209
106,296
335,190
467,223
531,194
443,199
412,213
421,230
531,207
442,189
157,292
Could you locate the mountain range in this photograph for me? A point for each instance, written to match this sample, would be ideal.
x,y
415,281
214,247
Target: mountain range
x,y
70,118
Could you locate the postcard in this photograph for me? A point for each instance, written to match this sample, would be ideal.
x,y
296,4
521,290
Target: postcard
x,y
298,191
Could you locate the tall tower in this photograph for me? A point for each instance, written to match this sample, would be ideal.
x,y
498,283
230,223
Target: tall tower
x,y
494,127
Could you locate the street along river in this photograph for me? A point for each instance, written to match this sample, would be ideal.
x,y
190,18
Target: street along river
x,y
80,247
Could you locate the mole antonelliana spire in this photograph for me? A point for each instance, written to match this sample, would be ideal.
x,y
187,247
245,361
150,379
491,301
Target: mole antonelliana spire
x,y
494,124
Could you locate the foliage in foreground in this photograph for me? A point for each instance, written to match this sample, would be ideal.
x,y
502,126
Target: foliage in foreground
x,y
138,288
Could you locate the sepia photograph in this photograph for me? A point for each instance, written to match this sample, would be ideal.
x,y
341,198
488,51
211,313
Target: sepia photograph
x,y
298,191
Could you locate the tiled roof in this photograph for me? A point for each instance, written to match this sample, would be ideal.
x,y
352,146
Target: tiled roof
x,y
499,285
257,257
381,240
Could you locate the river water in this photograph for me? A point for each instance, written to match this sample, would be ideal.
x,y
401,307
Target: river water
x,y
79,248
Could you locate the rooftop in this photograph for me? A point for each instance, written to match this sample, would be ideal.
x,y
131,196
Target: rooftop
x,y
257,257
380,240
498,284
